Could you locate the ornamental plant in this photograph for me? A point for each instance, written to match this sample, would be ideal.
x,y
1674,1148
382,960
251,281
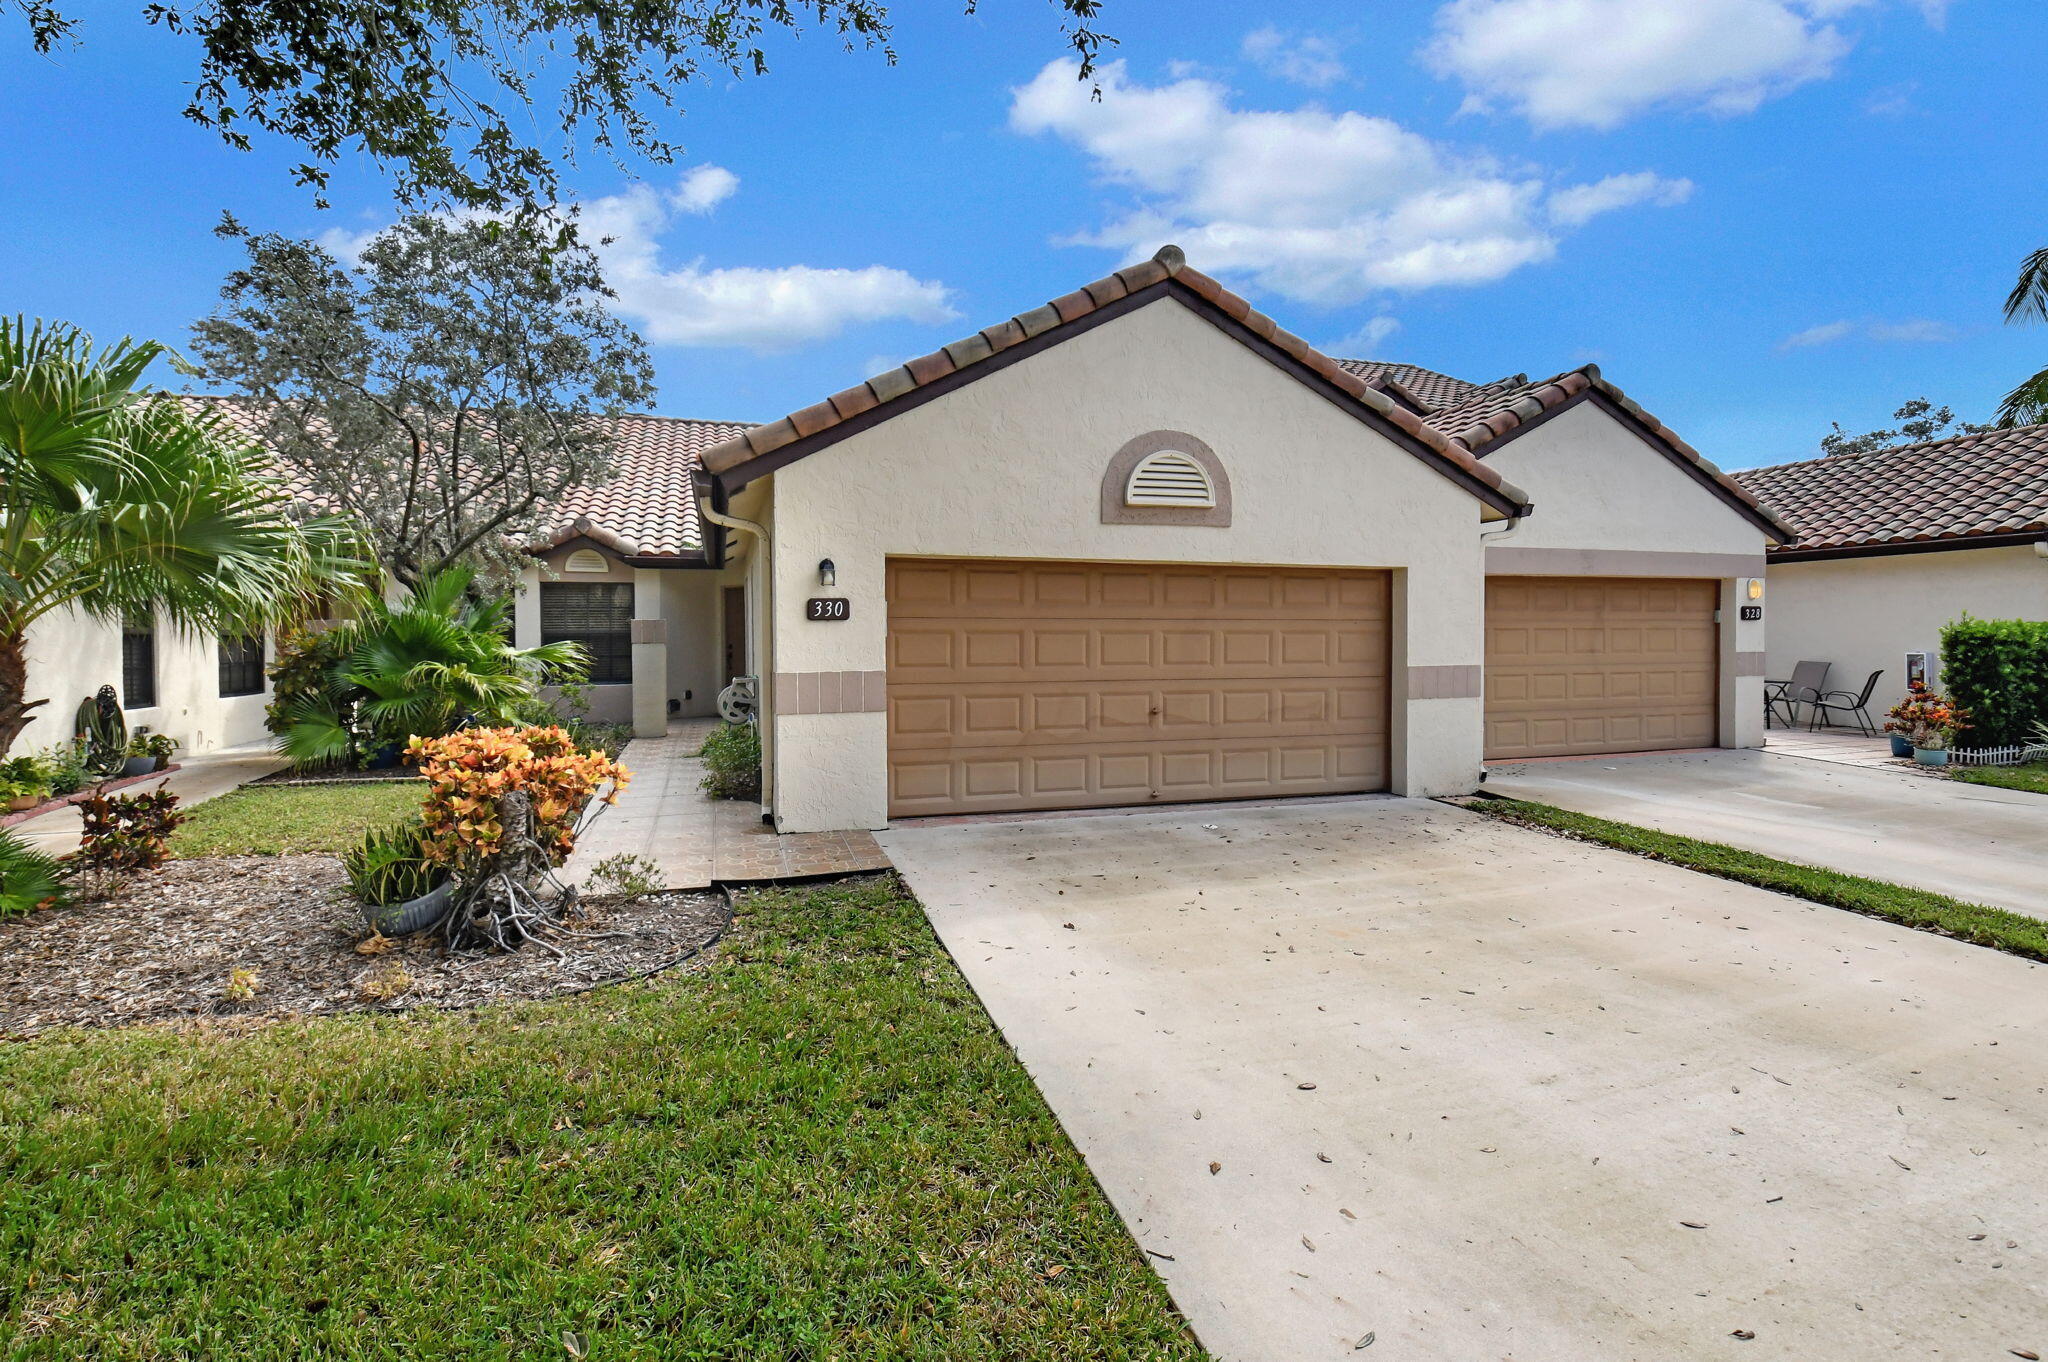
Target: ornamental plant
x,y
430,665
127,832
1927,718
468,772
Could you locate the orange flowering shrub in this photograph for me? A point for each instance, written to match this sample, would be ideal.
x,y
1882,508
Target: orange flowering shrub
x,y
1927,718
469,770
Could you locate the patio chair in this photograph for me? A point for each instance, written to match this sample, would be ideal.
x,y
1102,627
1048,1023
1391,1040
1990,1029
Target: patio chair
x,y
1803,688
1853,703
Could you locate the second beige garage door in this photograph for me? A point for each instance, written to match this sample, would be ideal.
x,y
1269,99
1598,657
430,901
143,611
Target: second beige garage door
x,y
1075,685
1580,665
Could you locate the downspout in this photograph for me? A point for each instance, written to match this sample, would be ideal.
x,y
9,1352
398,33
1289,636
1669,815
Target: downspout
x,y
762,638
1488,538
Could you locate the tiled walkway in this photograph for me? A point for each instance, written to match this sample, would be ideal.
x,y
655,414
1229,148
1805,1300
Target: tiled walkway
x,y
665,817
1843,746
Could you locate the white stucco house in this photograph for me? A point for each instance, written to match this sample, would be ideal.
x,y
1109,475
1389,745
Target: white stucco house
x,y
1140,545
1895,543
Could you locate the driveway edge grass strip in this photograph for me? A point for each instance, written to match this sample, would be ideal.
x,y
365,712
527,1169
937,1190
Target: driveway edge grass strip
x,y
2033,777
1977,923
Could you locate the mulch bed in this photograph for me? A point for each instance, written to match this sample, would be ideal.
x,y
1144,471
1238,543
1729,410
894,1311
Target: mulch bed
x,y
163,949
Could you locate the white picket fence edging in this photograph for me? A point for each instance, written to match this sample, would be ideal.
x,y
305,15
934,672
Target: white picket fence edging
x,y
2018,754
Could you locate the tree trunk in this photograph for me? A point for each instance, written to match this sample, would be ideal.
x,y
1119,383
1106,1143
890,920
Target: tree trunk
x,y
14,708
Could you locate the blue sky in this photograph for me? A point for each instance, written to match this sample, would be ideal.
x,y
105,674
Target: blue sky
x,y
1758,216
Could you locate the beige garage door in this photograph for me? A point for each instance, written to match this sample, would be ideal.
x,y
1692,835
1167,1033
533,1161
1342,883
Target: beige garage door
x,y
1588,664
1074,685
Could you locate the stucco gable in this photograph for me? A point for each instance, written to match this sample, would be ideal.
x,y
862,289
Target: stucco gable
x,y
1029,445
1165,279
1597,481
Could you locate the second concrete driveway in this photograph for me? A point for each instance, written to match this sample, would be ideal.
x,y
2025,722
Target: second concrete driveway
x,y
1389,1068
1975,842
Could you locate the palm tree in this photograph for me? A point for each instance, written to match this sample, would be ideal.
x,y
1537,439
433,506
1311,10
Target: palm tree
x,y
426,666
116,500
2028,302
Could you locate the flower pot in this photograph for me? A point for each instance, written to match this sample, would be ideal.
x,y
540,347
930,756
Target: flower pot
x,y
414,915
384,758
20,802
138,766
1931,756
1901,746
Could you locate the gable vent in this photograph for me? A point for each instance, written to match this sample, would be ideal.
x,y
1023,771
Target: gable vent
x,y
1169,478
586,560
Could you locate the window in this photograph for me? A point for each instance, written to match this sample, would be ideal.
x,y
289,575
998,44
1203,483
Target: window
x,y
600,617
241,665
138,663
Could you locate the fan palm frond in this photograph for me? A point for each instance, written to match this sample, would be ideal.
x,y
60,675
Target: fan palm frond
x,y
2025,405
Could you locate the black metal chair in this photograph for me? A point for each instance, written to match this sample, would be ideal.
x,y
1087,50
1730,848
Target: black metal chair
x,y
1785,697
1850,702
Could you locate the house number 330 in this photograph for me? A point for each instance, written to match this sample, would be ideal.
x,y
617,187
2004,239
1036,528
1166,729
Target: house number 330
x,y
828,608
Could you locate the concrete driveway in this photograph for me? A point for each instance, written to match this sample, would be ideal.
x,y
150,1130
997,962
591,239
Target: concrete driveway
x,y
1975,842
1386,1067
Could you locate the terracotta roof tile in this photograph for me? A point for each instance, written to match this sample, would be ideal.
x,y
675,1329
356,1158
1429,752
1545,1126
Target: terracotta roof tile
x,y
647,508
1428,388
1993,482
1168,264
1497,411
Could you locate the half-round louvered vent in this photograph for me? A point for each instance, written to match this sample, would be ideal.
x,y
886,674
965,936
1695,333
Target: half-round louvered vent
x,y
1169,478
586,560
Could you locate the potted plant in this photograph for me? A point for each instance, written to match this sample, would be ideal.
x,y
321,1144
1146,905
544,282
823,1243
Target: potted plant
x,y
400,889
1911,715
161,746
137,759
1930,722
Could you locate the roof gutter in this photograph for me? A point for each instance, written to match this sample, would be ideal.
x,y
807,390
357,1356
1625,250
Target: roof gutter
x,y
1961,544
1488,538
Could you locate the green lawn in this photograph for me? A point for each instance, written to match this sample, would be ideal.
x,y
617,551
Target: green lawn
x,y
1973,922
818,1147
275,820
2031,777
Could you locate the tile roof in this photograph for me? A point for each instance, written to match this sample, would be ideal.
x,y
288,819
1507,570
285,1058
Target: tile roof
x,y
1498,410
1431,390
648,509
1169,265
1966,487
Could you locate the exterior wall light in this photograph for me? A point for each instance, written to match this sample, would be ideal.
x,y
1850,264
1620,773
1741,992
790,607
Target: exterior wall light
x,y
828,575
1754,588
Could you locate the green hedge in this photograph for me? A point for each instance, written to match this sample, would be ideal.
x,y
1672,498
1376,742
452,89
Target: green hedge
x,y
732,762
1998,670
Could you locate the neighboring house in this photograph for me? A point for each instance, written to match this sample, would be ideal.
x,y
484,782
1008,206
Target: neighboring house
x,y
1139,545
1895,543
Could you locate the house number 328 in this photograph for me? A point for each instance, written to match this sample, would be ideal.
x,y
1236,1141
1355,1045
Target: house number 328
x,y
828,608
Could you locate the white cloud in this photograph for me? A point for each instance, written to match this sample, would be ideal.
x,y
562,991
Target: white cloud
x,y
1365,342
703,188
1302,58
1598,63
1319,206
778,308
1577,205
1914,329
690,303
